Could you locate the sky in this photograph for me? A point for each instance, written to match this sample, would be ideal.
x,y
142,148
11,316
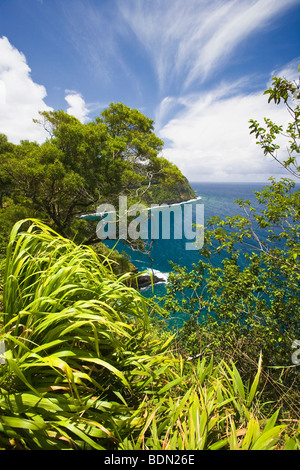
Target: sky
x,y
198,68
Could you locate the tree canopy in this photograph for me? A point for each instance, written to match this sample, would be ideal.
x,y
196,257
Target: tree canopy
x,y
82,165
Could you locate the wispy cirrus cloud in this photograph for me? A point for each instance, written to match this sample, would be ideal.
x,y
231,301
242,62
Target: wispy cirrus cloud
x,y
240,21
173,32
97,33
185,41
206,128
188,40
80,109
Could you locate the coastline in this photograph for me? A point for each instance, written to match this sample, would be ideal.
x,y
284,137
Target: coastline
x,y
95,216
144,277
160,206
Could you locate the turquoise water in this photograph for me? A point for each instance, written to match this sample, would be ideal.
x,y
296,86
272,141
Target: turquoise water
x,y
218,200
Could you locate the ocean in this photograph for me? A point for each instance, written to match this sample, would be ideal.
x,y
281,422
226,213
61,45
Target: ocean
x,y
218,199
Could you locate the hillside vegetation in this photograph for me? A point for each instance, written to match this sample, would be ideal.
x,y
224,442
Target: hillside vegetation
x,y
86,362
88,367
81,166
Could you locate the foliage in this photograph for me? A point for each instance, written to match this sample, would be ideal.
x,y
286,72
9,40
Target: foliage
x,y
84,368
168,186
242,297
289,93
81,166
78,345
87,364
214,410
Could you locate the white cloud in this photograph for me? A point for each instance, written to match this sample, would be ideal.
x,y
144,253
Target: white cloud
x,y
163,110
22,98
77,106
288,71
210,139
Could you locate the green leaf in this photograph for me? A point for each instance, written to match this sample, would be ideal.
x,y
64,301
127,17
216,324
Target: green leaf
x,y
254,385
170,385
268,439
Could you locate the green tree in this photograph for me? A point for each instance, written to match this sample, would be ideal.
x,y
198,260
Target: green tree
x,y
40,182
114,153
79,167
289,93
5,181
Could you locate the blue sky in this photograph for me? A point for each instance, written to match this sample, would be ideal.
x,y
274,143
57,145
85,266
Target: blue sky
x,y
197,67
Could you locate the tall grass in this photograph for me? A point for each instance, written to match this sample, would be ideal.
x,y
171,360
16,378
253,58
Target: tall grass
x,y
84,368
77,345
217,411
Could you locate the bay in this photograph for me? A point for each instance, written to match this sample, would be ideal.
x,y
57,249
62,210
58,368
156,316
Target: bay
x,y
219,199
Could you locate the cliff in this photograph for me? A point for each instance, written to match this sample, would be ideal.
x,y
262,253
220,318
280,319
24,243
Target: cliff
x,y
168,186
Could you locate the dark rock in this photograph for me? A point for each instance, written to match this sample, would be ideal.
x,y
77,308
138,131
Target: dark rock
x,y
144,280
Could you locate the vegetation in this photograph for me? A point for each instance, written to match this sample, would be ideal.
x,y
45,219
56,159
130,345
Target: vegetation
x,y
77,345
82,166
85,367
86,362
243,295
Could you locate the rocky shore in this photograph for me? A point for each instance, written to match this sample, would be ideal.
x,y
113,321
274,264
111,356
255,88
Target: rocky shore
x,y
144,280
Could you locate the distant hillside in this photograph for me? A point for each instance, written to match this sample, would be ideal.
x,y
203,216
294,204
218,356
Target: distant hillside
x,y
169,186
